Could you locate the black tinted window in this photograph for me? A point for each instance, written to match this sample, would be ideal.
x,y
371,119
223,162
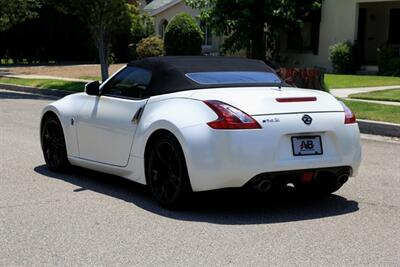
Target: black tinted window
x,y
233,77
130,82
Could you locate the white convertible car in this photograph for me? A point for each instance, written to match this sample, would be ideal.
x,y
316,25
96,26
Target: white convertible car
x,y
184,124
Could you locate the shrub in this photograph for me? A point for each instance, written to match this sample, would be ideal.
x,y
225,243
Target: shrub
x,y
389,61
393,67
183,36
343,57
152,46
304,78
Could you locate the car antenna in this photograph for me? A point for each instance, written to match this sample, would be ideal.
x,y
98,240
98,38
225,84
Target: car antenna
x,y
280,85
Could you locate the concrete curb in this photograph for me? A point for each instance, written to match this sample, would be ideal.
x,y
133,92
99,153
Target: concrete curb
x,y
34,90
379,128
366,126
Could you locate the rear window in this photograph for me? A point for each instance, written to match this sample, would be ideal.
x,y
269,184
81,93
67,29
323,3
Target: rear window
x,y
233,77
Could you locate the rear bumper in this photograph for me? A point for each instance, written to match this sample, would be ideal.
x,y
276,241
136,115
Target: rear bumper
x,y
295,176
220,159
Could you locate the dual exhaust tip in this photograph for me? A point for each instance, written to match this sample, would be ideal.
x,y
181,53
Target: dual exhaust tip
x,y
264,185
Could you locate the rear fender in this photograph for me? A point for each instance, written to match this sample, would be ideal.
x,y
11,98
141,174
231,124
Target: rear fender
x,y
172,115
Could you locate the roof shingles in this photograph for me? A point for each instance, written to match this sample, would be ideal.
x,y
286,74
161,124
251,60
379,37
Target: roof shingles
x,y
156,4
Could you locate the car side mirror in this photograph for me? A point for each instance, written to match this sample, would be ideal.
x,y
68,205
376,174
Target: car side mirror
x,y
93,88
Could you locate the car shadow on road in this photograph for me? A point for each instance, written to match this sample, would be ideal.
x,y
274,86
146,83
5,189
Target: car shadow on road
x,y
229,207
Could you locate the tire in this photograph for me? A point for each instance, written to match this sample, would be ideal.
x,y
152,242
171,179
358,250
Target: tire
x,y
166,172
53,145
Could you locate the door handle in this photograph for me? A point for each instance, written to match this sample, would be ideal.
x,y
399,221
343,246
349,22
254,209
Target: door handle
x,y
138,115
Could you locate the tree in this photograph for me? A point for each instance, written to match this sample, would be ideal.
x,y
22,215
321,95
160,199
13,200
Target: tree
x,y
17,11
183,36
252,24
142,25
103,17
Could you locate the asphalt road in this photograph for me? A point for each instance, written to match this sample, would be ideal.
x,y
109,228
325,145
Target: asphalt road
x,y
86,218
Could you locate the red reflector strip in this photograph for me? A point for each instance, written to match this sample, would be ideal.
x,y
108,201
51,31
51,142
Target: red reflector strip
x,y
307,177
296,99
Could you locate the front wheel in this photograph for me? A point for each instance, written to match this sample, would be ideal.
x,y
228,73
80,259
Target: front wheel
x,y
53,145
167,174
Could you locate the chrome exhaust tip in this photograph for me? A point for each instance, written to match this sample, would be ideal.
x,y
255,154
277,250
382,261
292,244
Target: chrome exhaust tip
x,y
263,185
342,179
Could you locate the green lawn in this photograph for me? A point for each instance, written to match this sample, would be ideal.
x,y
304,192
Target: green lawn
x,y
375,112
46,84
387,95
333,81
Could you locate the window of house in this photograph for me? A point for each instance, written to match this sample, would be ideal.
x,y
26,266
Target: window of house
x,y
131,82
162,27
306,38
207,34
394,26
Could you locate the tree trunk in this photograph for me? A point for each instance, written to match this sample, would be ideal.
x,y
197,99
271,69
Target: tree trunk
x,y
258,44
258,38
103,55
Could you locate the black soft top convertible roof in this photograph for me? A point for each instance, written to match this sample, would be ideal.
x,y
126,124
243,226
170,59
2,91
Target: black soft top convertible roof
x,y
169,73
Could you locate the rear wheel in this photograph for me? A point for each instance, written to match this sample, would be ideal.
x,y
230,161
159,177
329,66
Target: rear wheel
x,y
166,171
53,145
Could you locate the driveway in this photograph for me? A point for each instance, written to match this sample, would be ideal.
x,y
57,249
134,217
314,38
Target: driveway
x,y
86,218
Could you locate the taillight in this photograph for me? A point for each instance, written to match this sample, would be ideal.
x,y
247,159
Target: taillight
x,y
230,117
349,116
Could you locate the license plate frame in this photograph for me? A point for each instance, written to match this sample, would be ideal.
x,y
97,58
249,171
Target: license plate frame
x,y
315,150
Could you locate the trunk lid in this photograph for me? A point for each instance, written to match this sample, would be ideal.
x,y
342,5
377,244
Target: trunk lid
x,y
266,100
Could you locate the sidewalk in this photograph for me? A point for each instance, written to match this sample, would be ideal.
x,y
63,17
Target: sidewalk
x,y
54,70
47,77
390,103
346,92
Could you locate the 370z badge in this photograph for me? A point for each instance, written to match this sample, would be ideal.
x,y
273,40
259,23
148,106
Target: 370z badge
x,y
307,119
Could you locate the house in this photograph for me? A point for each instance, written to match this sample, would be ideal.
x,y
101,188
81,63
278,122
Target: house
x,y
370,23
164,10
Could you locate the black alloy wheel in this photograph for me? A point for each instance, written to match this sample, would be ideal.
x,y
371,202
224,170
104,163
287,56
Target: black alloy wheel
x,y
53,145
167,174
